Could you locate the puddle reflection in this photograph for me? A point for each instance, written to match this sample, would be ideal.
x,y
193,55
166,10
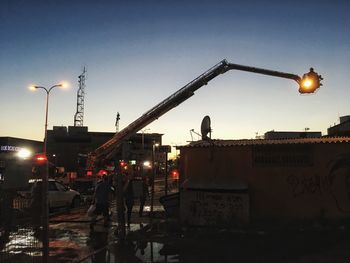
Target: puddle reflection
x,y
133,252
19,243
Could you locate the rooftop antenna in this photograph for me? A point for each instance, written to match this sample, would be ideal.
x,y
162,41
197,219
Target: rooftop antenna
x,y
79,115
206,128
192,131
117,118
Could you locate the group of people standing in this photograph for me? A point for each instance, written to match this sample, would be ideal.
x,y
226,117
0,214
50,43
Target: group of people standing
x,y
134,187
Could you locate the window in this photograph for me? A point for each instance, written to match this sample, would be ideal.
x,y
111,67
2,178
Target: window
x,y
287,155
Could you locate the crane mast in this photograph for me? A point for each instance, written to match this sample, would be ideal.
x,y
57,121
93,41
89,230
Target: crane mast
x,y
79,115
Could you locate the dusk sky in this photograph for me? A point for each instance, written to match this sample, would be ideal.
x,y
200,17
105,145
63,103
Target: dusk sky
x,y
137,53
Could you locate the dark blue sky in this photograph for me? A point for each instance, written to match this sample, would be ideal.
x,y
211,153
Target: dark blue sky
x,y
139,52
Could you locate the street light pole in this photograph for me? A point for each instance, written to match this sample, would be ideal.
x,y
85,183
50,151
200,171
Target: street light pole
x,y
153,178
47,91
45,203
46,117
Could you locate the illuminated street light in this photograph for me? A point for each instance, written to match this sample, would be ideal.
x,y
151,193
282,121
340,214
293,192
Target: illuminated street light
x,y
46,173
147,164
24,153
310,82
33,88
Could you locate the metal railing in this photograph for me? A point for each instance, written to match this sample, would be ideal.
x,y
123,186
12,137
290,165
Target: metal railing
x,y
19,234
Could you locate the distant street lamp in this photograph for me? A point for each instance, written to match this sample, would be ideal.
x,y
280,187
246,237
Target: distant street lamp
x,y
45,206
33,88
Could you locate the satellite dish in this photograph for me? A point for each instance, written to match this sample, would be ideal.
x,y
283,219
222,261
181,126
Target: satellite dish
x,y
205,128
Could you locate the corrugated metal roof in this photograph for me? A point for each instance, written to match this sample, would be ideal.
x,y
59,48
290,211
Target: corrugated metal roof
x,y
248,142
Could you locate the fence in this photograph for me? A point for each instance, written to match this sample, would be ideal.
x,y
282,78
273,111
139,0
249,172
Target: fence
x,y
19,236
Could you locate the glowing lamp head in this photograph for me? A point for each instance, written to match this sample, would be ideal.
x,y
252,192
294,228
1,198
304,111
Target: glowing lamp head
x,y
307,83
147,164
64,85
61,85
24,153
310,82
32,87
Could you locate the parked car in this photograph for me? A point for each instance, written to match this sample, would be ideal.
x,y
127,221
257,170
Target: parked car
x,y
58,194
86,188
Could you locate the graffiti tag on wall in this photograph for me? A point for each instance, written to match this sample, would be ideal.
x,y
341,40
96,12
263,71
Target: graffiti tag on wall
x,y
208,208
335,183
309,184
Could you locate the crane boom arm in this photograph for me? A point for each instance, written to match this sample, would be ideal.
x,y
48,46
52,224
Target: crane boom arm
x,y
154,113
107,149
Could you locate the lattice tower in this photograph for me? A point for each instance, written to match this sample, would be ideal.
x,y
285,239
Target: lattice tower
x,y
79,115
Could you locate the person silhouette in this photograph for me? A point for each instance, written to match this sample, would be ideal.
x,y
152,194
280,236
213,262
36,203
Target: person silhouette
x,y
101,199
128,197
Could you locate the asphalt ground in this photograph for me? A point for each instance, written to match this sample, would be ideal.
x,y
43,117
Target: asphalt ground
x,y
166,241
70,237
72,240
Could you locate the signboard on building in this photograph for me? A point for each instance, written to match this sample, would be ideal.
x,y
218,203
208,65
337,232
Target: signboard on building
x,y
9,148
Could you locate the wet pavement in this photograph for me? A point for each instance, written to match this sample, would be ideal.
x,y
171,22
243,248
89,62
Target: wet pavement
x,y
165,241
71,239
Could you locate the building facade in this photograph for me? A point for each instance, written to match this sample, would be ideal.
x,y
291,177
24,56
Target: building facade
x,y
12,144
68,147
15,170
275,135
341,129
